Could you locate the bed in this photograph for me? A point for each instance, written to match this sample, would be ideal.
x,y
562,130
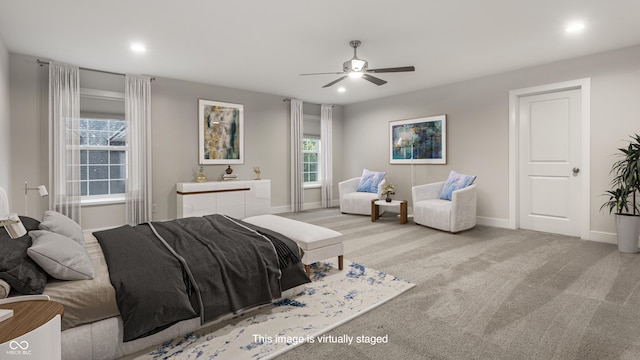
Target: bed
x,y
103,317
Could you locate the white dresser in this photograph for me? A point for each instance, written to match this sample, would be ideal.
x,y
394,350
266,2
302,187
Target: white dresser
x,y
237,198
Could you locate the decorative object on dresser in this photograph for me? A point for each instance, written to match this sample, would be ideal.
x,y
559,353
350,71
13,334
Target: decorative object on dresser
x,y
239,198
221,134
201,177
256,169
419,141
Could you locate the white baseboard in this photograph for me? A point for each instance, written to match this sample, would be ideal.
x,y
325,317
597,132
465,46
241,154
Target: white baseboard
x,y
501,223
604,237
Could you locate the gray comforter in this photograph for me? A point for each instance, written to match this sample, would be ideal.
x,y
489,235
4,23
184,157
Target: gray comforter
x,y
210,266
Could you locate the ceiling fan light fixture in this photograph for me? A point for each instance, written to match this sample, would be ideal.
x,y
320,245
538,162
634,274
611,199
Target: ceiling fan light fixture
x,y
355,74
358,65
354,64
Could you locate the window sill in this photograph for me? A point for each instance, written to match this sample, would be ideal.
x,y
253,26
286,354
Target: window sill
x,y
312,186
102,201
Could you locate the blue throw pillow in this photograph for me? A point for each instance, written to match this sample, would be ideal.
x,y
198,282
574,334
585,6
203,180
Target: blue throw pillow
x,y
370,181
455,182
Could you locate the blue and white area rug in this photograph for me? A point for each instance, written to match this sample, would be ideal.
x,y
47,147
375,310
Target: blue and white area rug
x,y
333,298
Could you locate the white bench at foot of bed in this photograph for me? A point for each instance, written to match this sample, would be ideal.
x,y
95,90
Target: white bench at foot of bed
x,y
317,242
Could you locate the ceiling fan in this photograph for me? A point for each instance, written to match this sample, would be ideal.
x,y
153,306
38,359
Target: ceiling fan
x,y
360,68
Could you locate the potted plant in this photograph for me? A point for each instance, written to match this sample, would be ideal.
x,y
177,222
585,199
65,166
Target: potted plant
x,y
622,196
388,190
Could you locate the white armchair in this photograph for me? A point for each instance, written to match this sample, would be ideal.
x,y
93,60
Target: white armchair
x,y
354,202
454,216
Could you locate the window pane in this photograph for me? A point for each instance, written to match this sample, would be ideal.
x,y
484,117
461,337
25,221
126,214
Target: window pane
x,y
313,177
98,157
117,172
117,186
117,125
98,124
118,157
107,166
98,187
313,167
98,172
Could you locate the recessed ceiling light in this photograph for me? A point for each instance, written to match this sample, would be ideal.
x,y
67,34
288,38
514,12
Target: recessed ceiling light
x,y
138,48
575,27
341,89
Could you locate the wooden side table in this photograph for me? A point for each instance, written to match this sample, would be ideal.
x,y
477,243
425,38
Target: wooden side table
x,y
33,332
375,209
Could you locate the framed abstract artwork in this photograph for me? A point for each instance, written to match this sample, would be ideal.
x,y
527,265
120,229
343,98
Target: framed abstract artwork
x,y
418,141
221,132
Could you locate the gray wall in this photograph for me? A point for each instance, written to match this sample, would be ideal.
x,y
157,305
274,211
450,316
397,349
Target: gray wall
x,y
175,140
29,133
5,124
174,108
478,128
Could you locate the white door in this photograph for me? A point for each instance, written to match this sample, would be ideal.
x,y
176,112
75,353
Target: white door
x,y
549,162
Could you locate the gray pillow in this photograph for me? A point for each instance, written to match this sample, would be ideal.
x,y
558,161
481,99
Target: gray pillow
x,y
60,224
60,256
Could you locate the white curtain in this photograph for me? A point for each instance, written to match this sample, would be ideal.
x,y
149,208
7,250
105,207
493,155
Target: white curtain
x,y
297,181
138,116
64,133
326,125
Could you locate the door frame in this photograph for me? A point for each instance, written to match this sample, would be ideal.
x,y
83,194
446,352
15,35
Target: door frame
x,y
585,167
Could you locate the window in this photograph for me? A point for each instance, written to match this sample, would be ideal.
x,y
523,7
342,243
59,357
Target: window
x,y
103,158
311,156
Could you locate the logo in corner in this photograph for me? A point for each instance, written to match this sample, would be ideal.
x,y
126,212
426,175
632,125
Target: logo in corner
x,y
23,345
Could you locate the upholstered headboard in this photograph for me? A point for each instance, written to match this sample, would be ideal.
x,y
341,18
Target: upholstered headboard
x,y
4,203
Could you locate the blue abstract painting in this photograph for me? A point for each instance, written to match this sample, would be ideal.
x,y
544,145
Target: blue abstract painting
x,y
418,141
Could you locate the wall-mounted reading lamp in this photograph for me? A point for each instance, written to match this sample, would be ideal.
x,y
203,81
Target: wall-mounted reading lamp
x,y
42,190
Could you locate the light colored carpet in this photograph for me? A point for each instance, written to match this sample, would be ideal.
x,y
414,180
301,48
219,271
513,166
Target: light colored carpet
x,y
333,298
487,293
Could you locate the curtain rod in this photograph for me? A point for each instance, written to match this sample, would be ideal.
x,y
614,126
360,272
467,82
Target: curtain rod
x,y
43,63
288,99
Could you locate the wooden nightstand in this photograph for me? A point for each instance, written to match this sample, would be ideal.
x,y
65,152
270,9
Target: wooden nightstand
x,y
32,332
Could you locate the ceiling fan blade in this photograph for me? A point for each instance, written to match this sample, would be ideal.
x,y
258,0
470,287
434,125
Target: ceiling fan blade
x,y
394,69
327,73
335,81
373,79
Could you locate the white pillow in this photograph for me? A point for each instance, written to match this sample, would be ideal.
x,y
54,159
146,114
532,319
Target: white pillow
x,y
60,256
60,224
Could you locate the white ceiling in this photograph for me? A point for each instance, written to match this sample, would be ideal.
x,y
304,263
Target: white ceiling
x,y
264,45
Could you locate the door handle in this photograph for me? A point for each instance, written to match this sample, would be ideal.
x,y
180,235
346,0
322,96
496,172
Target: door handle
x,y
576,171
